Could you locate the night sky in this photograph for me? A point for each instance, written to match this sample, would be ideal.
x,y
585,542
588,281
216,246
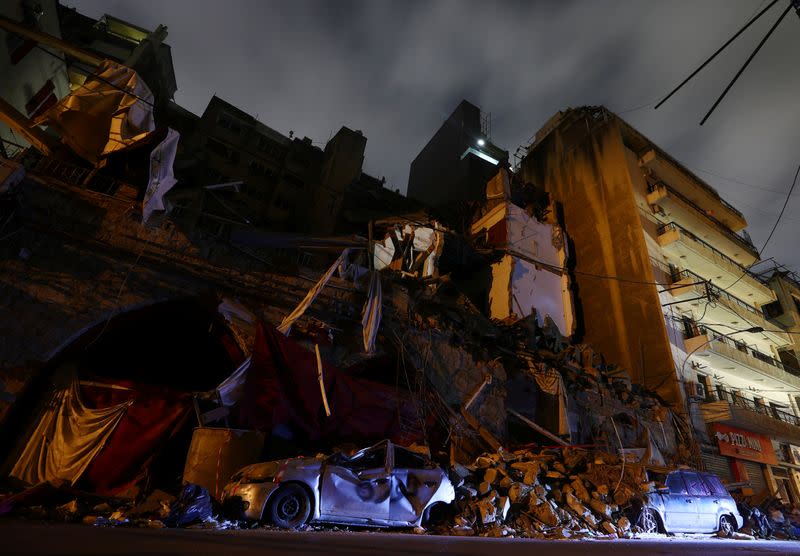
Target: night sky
x,y
396,69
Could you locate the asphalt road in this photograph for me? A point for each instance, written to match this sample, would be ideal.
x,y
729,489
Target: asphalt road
x,y
24,537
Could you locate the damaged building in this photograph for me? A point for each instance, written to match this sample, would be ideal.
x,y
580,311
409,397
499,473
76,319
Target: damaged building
x,y
517,327
663,272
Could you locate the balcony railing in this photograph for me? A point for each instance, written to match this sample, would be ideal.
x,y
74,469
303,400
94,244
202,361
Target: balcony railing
x,y
715,291
747,349
737,400
741,240
677,227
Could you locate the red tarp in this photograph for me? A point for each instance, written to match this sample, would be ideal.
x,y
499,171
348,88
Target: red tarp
x,y
282,388
154,417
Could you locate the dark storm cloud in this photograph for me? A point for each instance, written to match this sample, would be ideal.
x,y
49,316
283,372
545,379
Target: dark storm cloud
x,y
396,69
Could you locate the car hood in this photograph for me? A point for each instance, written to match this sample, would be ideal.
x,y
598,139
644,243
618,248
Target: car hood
x,y
270,469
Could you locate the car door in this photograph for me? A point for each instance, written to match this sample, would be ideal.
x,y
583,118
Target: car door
x,y
719,498
357,488
702,500
679,507
414,482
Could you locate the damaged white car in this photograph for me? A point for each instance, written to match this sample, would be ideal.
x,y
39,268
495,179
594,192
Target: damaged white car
x,y
383,485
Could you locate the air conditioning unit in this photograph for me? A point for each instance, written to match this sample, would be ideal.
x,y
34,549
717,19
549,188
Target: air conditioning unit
x,y
701,390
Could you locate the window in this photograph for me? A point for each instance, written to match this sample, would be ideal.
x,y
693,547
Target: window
x,y
217,147
703,389
694,484
293,181
42,100
714,485
406,459
675,484
373,458
230,123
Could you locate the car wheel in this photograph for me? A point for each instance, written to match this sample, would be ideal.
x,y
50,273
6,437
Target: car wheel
x,y
648,521
726,525
435,514
289,507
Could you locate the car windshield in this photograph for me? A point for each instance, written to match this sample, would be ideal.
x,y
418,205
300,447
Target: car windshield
x,y
694,484
371,458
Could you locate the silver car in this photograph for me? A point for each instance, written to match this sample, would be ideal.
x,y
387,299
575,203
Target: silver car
x,y
692,502
383,485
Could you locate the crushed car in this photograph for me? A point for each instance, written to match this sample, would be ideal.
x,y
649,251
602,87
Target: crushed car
x,y
691,502
384,485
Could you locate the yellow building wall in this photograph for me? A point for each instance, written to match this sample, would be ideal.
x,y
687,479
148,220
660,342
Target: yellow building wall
x,y
586,170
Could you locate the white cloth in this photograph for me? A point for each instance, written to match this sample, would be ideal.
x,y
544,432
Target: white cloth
x,y
286,324
161,177
373,310
230,389
66,440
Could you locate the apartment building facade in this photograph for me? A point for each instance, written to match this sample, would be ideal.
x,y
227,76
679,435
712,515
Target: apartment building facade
x,y
283,183
663,287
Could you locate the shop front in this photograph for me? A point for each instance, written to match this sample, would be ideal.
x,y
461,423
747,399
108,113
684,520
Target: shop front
x,y
750,456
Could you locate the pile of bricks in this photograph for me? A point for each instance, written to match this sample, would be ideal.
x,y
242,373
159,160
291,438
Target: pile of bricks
x,y
553,493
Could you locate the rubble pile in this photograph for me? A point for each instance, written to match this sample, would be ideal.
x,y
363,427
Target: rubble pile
x,y
552,493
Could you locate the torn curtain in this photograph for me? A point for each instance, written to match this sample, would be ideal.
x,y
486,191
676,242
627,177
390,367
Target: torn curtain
x,y
155,416
112,110
371,315
66,440
282,387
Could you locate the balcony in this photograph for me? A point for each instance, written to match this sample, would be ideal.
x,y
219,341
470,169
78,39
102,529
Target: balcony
x,y
740,359
734,409
689,290
694,253
690,185
671,206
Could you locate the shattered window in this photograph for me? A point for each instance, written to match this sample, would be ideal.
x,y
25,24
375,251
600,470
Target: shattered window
x,y
675,484
406,459
714,485
695,484
371,459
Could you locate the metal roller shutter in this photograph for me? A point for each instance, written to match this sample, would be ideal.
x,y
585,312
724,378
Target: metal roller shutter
x,y
719,466
756,473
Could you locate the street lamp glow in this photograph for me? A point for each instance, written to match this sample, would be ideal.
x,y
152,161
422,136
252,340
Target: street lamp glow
x,y
481,142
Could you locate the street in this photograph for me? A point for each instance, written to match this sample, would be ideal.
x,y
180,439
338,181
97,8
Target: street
x,y
23,537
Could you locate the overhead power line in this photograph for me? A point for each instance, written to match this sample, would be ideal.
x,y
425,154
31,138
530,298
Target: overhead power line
x,y
792,3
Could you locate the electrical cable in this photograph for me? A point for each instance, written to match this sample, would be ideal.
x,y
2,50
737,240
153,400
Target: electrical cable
x,y
747,62
723,47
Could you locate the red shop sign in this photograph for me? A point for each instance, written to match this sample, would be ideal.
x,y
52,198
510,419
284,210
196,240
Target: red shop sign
x,y
738,443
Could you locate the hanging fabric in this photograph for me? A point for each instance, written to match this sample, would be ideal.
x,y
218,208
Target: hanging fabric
x,y
552,383
288,321
373,310
230,389
66,440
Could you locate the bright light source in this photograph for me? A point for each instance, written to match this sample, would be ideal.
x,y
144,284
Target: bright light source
x,y
481,142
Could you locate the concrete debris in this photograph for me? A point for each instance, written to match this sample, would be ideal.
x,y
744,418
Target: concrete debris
x,y
551,493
